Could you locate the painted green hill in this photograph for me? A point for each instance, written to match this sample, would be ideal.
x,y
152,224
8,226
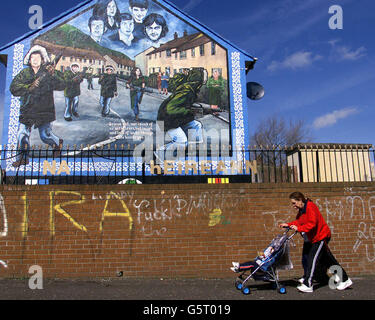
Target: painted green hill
x,y
69,36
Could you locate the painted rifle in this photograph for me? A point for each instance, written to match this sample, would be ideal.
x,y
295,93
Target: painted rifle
x,y
80,75
139,89
48,66
202,109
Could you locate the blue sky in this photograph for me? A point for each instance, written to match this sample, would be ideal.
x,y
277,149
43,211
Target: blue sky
x,y
325,77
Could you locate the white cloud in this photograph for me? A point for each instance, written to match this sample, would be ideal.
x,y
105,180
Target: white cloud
x,y
297,60
346,54
330,119
342,52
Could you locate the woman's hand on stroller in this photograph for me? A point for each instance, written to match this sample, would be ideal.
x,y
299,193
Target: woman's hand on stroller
x,y
285,225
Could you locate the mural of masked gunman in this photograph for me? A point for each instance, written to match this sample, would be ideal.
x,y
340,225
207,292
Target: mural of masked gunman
x,y
35,85
72,91
178,117
108,82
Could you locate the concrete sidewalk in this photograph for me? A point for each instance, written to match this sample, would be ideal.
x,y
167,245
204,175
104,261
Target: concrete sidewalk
x,y
363,288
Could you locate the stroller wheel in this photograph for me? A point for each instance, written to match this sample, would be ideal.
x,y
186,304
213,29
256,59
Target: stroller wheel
x,y
245,290
238,284
282,290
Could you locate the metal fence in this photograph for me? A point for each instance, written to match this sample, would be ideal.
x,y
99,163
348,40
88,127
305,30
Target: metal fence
x,y
118,165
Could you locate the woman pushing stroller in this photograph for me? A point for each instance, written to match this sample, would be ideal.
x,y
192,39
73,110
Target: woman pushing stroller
x,y
316,253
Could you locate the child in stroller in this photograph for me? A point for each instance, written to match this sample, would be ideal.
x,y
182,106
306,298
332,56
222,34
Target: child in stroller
x,y
250,265
265,265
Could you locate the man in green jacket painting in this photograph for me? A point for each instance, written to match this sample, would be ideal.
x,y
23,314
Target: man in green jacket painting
x,y
35,85
215,85
177,114
108,90
72,91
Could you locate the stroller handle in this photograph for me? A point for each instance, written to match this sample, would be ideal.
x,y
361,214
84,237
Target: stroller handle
x,y
287,230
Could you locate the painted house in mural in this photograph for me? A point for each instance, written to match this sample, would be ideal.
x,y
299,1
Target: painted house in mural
x,y
123,72
185,52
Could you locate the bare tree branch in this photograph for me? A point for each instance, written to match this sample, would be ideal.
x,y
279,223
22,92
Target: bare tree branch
x,y
275,132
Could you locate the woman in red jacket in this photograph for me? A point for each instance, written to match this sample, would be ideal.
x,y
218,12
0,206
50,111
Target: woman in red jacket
x,y
311,224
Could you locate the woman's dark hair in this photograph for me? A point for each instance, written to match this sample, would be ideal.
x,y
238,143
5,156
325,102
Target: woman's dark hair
x,y
298,196
100,9
41,56
138,3
125,16
96,18
133,75
159,20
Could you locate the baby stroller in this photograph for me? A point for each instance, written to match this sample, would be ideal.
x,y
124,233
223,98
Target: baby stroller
x,y
266,269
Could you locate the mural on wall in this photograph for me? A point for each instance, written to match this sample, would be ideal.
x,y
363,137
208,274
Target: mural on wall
x,y
117,73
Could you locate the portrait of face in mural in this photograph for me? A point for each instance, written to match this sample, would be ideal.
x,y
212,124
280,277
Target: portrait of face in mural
x,y
155,26
138,9
127,24
109,11
125,35
97,28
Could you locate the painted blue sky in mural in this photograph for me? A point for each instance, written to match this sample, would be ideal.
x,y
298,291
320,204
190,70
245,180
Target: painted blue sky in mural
x,y
310,72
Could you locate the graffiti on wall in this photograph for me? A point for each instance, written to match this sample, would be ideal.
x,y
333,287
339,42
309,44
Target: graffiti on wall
x,y
140,213
350,208
158,215
150,217
354,207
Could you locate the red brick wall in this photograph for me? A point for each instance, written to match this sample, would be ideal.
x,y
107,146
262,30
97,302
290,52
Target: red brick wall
x,y
171,230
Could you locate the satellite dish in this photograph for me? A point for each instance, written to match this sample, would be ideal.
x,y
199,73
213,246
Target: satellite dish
x,y
255,91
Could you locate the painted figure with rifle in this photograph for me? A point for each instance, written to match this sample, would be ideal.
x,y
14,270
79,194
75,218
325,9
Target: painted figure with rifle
x,y
90,77
178,115
35,85
137,86
73,79
108,90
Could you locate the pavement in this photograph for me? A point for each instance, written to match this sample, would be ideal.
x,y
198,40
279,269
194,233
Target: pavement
x,y
363,288
192,298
